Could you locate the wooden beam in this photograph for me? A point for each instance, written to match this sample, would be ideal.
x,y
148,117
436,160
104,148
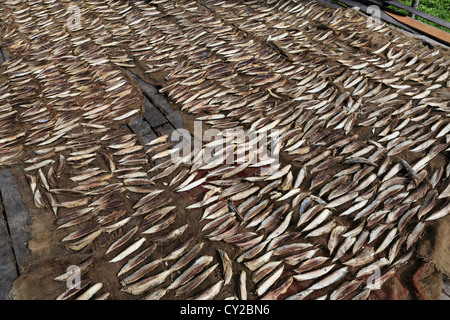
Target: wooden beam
x,y
8,266
417,12
432,32
17,216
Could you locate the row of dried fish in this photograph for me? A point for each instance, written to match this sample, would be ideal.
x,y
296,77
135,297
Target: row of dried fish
x,y
61,77
70,93
272,220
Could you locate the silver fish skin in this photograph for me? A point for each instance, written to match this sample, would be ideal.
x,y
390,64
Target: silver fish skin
x,y
440,213
354,208
363,295
339,201
330,279
344,290
366,256
325,229
290,248
128,250
445,193
226,265
122,240
279,290
211,292
305,216
297,257
273,217
136,260
343,248
252,252
332,184
282,227
317,220
255,210
314,274
360,241
74,290
403,259
415,234
269,281
190,272
300,177
300,295
395,248
82,267
406,217
280,173
83,242
259,218
89,293
144,285
256,263
157,295
428,203
311,264
217,221
243,285
195,282
334,237
245,244
387,241
435,178
264,270
377,265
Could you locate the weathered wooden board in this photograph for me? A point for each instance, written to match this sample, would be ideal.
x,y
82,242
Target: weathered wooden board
x,y
417,12
142,129
17,216
424,28
8,270
153,115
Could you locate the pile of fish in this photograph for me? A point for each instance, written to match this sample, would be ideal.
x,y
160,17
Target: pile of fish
x,y
363,131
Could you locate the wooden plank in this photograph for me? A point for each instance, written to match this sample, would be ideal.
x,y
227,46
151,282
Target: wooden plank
x,y
164,129
17,217
8,269
176,120
419,13
143,130
159,101
153,115
4,54
431,31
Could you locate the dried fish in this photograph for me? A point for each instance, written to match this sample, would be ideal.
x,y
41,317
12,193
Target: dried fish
x,y
189,273
136,260
330,279
135,246
269,281
211,292
227,266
